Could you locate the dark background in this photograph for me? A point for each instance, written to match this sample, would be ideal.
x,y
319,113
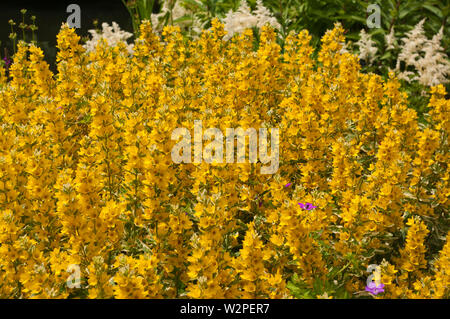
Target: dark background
x,y
49,17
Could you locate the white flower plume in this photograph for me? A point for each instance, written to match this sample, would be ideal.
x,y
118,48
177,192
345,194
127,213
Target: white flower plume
x,y
112,34
242,19
426,56
367,48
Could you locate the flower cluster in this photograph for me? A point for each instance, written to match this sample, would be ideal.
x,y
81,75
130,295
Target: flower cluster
x,y
367,48
87,179
418,58
427,57
111,34
243,18
375,289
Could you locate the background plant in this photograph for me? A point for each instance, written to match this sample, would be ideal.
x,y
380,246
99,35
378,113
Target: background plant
x,y
140,10
397,16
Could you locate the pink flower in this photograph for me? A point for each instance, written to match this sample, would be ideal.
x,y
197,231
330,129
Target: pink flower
x,y
7,61
374,289
307,206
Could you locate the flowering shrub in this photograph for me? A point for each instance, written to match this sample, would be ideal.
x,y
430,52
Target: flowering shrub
x,y
86,176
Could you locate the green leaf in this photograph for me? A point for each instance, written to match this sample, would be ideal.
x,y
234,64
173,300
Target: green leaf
x,y
196,4
386,56
297,292
350,17
434,10
183,19
145,8
404,11
378,31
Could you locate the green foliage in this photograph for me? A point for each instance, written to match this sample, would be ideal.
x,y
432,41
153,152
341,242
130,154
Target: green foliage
x,y
316,16
139,11
319,15
206,10
321,287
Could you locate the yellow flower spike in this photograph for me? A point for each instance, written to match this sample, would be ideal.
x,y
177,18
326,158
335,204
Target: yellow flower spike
x,y
86,170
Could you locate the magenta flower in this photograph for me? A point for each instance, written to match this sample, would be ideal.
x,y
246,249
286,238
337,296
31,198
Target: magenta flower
x,y
307,206
374,289
7,61
288,184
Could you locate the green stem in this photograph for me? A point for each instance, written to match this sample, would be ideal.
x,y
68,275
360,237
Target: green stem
x,y
14,40
23,27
